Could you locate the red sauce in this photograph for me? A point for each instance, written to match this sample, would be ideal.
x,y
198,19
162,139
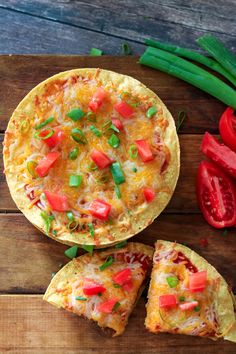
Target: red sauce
x,y
181,258
145,261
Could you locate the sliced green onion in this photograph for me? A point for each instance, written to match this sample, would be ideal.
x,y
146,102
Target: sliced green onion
x,y
91,229
126,50
47,219
24,126
81,298
172,281
75,180
134,169
103,179
121,244
117,190
70,215
114,141
182,298
117,173
92,166
115,307
116,285
78,136
72,225
95,131
197,308
91,116
54,232
37,134
95,52
181,117
75,114
151,111
73,154
107,263
113,127
71,252
133,151
88,248
31,165
44,123
192,55
176,66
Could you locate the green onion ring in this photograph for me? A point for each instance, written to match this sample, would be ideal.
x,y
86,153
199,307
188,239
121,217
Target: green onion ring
x,y
37,134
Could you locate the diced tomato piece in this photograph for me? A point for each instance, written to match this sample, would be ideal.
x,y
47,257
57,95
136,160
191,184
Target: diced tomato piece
x,y
167,301
197,281
227,127
122,277
128,286
53,140
56,201
188,305
107,306
100,159
91,287
97,99
46,163
149,194
144,150
100,209
124,109
117,123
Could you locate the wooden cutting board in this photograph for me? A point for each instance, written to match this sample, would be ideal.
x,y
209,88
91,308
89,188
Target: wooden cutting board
x,y
29,325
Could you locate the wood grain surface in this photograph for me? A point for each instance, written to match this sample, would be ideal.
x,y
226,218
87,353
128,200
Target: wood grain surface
x,y
27,324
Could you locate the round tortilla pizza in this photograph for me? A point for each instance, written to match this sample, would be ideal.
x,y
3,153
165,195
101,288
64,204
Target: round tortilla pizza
x,y
91,157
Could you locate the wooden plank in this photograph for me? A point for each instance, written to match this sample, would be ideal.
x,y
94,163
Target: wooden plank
x,y
19,74
30,325
31,257
175,21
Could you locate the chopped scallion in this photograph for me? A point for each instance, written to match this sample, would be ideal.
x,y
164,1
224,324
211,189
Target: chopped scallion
x,y
71,252
114,141
47,219
70,215
95,131
133,151
197,308
81,298
73,154
107,263
91,229
48,135
91,116
117,190
126,50
31,165
75,114
78,136
113,127
95,52
134,169
44,123
115,307
182,298
121,244
75,180
151,111
117,173
24,126
88,248
172,281
72,225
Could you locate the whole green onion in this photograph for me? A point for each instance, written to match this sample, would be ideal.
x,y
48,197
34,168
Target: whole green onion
x,y
43,124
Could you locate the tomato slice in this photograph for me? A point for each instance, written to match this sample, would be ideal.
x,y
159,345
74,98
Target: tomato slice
x,y
117,123
55,139
227,127
100,159
188,305
97,100
107,306
91,287
216,195
122,277
221,154
124,109
144,150
100,209
56,201
197,281
167,301
149,194
46,163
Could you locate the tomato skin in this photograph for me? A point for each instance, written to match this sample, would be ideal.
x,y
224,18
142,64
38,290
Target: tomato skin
x,y
91,287
167,301
107,306
149,194
197,281
100,209
117,123
216,195
188,305
100,159
97,99
57,202
124,109
144,150
122,277
227,127
55,139
46,163
221,154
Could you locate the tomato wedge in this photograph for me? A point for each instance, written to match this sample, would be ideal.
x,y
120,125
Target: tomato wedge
x,y
167,301
221,154
122,277
56,201
46,163
91,287
124,109
216,195
227,127
188,305
117,123
100,159
197,281
97,99
100,209
149,194
107,306
55,139
144,150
